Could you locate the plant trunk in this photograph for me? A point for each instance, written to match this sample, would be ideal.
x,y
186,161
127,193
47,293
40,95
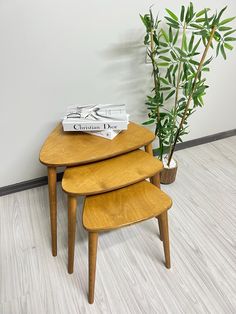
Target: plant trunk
x,y
156,85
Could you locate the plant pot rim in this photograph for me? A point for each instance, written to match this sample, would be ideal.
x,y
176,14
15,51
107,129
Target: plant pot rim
x,y
169,168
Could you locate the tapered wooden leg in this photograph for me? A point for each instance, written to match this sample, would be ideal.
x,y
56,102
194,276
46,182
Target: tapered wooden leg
x,y
93,241
52,188
156,182
165,234
72,205
160,227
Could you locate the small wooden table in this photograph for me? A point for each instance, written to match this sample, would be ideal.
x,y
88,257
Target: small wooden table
x,y
73,148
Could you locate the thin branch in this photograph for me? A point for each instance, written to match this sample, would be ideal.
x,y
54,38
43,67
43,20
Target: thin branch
x,y
156,82
177,93
193,90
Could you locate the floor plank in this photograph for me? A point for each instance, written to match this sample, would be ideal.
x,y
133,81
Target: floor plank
x,y
131,277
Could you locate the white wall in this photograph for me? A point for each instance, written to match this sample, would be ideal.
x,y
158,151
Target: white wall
x,y
58,52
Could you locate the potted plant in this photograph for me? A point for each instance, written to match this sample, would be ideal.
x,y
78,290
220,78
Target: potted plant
x,y
178,52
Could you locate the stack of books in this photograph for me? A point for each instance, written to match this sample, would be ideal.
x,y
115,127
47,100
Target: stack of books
x,y
104,120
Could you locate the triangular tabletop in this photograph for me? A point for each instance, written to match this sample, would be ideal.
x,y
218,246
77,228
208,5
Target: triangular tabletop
x,y
74,148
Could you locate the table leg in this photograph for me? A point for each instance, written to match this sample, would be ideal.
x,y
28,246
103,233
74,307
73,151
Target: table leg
x,y
148,149
52,188
72,205
156,181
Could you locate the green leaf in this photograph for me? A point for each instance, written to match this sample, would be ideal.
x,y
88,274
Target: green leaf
x,y
224,28
170,34
163,44
182,13
174,17
229,33
219,16
165,35
151,121
163,51
164,81
202,12
156,22
217,36
151,17
146,39
226,21
207,62
173,25
176,37
165,88
230,39
199,91
175,69
163,64
168,74
142,19
191,69
191,13
202,19
185,46
181,52
194,25
146,21
193,62
156,41
204,32
222,49
228,46
173,55
186,69
206,69
206,19
165,58
196,46
187,16
190,47
170,94
171,21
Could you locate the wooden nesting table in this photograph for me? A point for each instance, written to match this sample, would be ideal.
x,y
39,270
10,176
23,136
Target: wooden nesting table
x,y
73,148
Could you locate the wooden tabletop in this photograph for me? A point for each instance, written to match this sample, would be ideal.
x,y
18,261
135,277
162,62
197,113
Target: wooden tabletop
x,y
123,207
110,174
74,148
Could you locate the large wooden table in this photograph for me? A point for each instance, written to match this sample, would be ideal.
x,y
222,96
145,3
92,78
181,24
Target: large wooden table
x,y
73,148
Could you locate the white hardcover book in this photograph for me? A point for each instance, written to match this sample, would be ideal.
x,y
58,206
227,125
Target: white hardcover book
x,y
96,111
86,125
109,134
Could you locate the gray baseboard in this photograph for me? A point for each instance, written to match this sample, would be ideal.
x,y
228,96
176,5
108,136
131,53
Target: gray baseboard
x,y
206,139
25,185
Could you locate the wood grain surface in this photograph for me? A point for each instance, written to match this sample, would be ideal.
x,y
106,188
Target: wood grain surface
x,y
130,273
73,148
110,174
123,207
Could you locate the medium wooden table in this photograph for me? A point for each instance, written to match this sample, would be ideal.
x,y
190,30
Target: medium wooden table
x,y
73,148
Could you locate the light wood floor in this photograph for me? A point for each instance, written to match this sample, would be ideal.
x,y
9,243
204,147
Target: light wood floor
x,y
131,277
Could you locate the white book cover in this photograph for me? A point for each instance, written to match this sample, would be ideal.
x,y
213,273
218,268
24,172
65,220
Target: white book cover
x,y
95,111
95,117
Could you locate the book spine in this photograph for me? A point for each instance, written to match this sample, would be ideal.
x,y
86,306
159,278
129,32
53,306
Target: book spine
x,y
94,126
